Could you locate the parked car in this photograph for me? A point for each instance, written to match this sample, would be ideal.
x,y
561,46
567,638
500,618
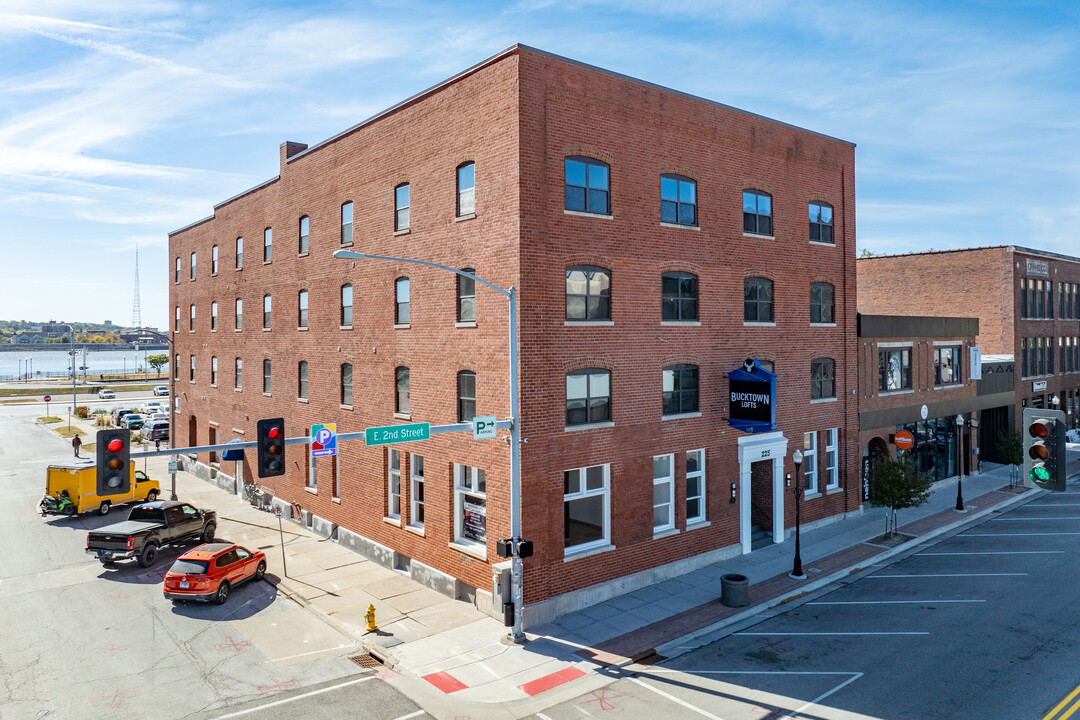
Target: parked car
x,y
208,572
132,421
161,390
157,430
159,416
153,406
106,394
1073,435
148,527
119,414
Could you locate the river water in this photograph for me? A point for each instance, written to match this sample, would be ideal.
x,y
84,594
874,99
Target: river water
x,y
57,363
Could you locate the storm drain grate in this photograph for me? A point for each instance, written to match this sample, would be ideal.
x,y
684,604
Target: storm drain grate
x,y
366,660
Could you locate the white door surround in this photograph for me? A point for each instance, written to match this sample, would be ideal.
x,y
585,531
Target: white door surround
x,y
754,448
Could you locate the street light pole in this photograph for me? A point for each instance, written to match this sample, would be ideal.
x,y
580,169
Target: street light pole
x,y
71,348
172,401
959,466
797,571
516,570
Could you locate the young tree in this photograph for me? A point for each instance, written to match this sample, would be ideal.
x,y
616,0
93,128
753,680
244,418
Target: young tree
x,y
896,485
157,362
1011,452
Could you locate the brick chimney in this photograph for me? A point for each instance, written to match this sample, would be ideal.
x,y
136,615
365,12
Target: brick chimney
x,y
288,149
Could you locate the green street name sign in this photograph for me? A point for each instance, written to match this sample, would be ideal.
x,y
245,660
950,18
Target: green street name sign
x,y
391,434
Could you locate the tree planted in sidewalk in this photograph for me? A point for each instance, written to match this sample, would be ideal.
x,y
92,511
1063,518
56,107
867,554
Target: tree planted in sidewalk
x,y
1011,452
895,484
157,362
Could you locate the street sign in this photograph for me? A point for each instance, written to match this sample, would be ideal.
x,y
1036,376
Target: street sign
x,y
483,428
903,440
277,511
48,398
324,440
396,433
172,466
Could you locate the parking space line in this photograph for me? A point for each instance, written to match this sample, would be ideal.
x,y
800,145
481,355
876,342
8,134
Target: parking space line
x,y
821,697
1008,534
313,652
996,552
296,697
674,699
418,713
1033,519
943,575
831,634
888,602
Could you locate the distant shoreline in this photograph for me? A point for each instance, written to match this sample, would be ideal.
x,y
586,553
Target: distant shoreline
x,y
96,347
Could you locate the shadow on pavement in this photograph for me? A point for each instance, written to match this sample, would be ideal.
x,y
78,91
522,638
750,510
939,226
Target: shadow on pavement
x,y
244,601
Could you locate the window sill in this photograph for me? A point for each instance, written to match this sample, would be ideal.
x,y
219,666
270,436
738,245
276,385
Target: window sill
x,y
697,524
823,400
465,324
906,391
237,269
402,416
395,521
267,395
267,262
668,532
403,231
476,550
463,218
578,213
301,329
758,235
588,323
238,390
303,254
416,530
344,327
680,416
758,324
589,426
814,495
822,244
312,490
949,386
345,407
833,490
213,385
213,330
576,553
266,329
303,400
680,323
814,324
680,226
335,500
402,326
348,244
238,329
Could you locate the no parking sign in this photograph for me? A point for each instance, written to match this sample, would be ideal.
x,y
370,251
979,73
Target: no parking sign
x,y
324,440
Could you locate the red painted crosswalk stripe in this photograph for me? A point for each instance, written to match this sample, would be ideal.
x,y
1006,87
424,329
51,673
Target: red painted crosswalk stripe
x,y
547,682
445,682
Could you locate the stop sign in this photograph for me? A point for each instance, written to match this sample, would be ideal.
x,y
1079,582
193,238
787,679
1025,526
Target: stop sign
x,y
48,398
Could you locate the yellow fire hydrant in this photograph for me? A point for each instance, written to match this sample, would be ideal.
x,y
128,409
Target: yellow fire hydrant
x,y
370,615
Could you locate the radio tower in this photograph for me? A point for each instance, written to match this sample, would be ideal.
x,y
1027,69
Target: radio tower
x,y
136,309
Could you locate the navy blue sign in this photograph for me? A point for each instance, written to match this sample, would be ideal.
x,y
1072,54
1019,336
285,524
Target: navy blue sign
x,y
230,455
752,398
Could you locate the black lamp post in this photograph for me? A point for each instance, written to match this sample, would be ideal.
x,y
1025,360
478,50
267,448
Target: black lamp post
x,y
797,571
959,465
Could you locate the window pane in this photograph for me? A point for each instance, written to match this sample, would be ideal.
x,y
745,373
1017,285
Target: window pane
x,y
594,477
575,198
598,177
669,188
571,482
693,461
576,282
575,173
688,192
577,386
668,212
584,520
661,466
600,384
598,201
687,214
599,410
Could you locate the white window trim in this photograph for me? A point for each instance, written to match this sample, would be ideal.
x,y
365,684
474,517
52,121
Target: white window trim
x,y
669,480
390,494
700,473
604,543
414,504
758,324
460,491
810,465
832,473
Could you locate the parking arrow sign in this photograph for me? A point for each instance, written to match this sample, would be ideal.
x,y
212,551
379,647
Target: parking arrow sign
x,y
483,428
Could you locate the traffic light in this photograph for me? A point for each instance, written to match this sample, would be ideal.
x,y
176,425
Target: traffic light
x,y
1044,449
271,437
113,460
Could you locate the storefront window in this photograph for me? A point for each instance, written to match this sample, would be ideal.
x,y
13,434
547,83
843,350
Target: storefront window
x,y
935,447
894,369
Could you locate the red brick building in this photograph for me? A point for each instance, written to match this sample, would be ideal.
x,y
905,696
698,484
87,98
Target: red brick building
x,y
656,241
1028,305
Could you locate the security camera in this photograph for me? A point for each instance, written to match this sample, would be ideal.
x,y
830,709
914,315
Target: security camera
x,y
749,366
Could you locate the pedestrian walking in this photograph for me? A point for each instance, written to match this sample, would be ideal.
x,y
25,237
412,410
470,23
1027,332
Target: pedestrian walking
x,y
76,442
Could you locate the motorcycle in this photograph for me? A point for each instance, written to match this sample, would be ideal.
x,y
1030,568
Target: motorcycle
x,y
59,505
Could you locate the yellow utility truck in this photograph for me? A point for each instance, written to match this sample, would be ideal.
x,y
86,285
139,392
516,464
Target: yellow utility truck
x,y
72,489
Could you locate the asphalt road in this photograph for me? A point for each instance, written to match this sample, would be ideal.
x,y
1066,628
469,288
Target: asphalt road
x,y
981,624
78,640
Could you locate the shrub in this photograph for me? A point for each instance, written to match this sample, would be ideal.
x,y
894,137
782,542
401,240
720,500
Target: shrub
x,y
82,411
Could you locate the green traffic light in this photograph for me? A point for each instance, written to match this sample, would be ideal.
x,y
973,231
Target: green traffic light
x,y
1040,474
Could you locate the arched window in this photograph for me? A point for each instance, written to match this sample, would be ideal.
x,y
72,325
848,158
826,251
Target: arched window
x,y
213,316
267,304
239,314
305,234
346,223
678,200
401,299
213,371
757,300
588,396
302,380
821,223
587,185
266,376
268,244
346,305
401,405
346,384
302,310
214,260
466,189
239,374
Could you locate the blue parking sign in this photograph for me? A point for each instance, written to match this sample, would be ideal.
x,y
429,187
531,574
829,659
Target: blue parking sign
x,y
324,440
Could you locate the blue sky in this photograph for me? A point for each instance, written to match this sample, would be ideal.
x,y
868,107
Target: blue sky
x,y
121,120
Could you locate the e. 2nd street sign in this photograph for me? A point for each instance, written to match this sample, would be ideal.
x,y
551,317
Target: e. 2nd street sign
x,y
391,434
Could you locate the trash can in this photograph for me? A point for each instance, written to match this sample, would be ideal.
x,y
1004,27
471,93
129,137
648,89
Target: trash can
x,y
735,590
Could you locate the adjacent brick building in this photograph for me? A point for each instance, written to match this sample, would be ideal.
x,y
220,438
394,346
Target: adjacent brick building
x,y
656,240
1028,305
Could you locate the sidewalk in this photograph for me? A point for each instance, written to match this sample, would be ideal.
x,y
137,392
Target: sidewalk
x,y
446,654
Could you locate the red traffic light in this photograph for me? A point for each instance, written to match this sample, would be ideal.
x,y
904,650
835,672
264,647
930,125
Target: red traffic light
x,y
116,445
1039,430
273,433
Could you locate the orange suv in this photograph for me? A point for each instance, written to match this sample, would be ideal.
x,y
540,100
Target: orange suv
x,y
209,571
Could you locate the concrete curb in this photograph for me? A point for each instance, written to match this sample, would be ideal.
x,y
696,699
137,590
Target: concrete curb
x,y
678,646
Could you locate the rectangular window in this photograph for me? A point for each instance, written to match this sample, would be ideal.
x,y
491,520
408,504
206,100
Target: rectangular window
x,y
466,396
401,207
238,380
213,316
239,253
947,365
191,319
588,396
393,492
663,480
586,513
302,308
268,244
822,378
213,371
1023,297
832,470
678,200
176,275
416,490
466,189
821,303
894,369
470,505
346,224
679,296
302,380
402,384
680,388
757,212
176,324
191,377
266,377
588,293
305,231
176,367
267,304
214,260
239,314
346,305
757,300
346,385
587,186
809,463
466,297
821,223
192,266
401,296
695,487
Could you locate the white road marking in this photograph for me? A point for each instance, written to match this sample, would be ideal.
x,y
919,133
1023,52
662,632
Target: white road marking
x,y
821,697
1008,534
1047,505
951,575
676,700
313,652
1032,519
1000,552
889,602
421,712
542,716
787,634
754,672
296,697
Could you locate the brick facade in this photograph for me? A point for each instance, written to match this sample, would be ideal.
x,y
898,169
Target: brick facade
x,y
517,116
